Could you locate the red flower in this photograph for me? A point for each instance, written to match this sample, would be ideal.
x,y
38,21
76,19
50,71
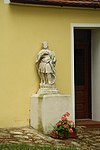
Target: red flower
x,y
67,114
66,126
70,130
63,118
58,123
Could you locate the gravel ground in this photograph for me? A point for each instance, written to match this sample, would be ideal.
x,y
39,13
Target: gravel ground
x,y
87,139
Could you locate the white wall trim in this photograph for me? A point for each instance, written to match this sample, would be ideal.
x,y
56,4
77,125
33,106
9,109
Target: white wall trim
x,y
77,25
72,70
6,1
85,25
92,71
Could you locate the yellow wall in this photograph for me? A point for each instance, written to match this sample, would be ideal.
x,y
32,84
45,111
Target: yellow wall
x,y
22,29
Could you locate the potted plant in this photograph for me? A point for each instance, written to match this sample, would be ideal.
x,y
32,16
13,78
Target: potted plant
x,y
64,128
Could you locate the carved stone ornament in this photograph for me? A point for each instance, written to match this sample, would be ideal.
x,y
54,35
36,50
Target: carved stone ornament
x,y
45,63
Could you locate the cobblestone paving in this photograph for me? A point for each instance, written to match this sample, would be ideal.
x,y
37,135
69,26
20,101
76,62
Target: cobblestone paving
x,y
87,139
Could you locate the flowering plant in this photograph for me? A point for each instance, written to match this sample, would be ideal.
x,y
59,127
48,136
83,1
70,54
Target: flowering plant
x,y
63,127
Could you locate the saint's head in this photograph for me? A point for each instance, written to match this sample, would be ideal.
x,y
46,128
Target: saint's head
x,y
45,45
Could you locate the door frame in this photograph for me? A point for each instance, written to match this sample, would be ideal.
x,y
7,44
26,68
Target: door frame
x,y
80,26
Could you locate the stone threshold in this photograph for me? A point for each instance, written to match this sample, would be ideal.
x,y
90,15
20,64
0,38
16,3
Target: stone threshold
x,y
88,123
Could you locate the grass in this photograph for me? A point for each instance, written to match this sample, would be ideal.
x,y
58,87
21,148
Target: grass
x,y
27,147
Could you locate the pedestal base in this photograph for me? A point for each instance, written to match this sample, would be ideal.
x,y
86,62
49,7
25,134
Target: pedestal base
x,y
48,90
46,110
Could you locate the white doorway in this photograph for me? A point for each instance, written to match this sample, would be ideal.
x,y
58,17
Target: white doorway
x,y
95,67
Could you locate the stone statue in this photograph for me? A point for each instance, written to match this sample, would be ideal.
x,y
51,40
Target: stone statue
x,y
45,63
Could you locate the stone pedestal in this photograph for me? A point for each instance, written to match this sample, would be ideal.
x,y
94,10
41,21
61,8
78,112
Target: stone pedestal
x,y
48,90
47,109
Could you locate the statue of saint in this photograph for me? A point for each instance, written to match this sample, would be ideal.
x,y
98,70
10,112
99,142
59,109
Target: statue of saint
x,y
45,63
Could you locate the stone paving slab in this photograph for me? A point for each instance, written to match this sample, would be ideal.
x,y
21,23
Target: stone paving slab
x,y
87,139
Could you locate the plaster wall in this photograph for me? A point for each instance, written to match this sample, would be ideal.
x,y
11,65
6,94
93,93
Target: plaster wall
x,y
96,74
22,29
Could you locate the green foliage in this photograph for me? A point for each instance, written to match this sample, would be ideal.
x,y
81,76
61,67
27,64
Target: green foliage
x,y
27,147
63,127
